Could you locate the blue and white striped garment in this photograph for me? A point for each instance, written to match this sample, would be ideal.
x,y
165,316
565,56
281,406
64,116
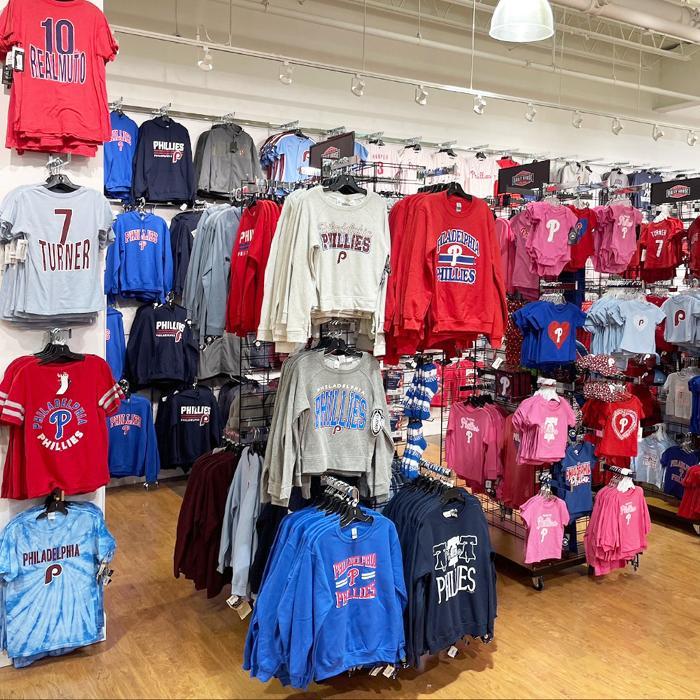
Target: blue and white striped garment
x,y
52,598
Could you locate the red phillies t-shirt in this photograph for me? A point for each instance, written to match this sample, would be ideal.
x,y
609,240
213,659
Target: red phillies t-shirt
x,y
61,93
62,409
694,246
662,241
622,422
584,247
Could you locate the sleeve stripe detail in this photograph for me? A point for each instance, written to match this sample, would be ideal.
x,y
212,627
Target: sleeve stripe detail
x,y
114,392
12,414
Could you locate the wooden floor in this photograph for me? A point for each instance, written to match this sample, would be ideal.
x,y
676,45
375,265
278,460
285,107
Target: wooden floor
x,y
626,635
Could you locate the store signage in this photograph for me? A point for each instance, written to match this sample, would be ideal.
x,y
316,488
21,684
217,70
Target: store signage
x,y
531,176
332,149
675,191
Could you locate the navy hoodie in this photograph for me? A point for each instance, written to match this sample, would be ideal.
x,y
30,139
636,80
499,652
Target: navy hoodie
x,y
187,426
163,168
161,349
133,449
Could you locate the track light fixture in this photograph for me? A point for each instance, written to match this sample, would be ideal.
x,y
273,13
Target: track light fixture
x,y
577,120
692,138
286,73
206,62
531,112
657,133
421,96
479,104
357,85
617,126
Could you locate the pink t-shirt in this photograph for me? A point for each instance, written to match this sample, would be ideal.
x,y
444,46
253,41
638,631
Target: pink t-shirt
x,y
472,447
545,519
634,522
506,240
547,422
525,278
624,234
548,244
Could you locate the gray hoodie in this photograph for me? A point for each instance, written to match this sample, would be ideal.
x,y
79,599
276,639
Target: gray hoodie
x,y
227,158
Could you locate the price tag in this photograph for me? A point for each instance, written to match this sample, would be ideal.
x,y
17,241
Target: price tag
x,y
452,651
18,59
375,671
389,671
240,605
21,250
497,362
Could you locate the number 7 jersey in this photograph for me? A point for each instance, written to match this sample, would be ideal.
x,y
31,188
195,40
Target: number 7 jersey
x,y
65,232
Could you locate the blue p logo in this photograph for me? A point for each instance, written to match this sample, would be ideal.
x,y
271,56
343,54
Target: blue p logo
x,y
60,418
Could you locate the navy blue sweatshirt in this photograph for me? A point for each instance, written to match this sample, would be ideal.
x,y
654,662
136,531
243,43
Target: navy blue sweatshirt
x,y
161,350
163,168
187,426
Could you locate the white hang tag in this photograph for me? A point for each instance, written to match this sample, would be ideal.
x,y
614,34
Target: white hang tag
x,y
389,671
452,651
20,253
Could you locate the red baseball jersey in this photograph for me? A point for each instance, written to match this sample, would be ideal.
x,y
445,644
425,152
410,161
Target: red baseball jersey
x,y
62,409
662,241
59,101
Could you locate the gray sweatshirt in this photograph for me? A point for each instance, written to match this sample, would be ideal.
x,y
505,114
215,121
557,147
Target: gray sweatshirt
x,y
227,158
334,419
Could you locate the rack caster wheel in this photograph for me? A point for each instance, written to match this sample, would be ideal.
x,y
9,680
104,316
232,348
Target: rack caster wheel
x,y
538,583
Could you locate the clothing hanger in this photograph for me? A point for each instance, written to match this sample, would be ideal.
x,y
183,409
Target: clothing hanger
x,y
454,189
54,503
57,352
58,181
344,184
481,155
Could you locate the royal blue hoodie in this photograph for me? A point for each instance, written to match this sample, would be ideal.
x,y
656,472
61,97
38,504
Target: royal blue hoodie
x,y
133,448
140,263
119,156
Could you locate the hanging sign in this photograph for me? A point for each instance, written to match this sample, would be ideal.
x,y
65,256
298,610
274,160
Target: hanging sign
x,y
527,177
675,191
332,149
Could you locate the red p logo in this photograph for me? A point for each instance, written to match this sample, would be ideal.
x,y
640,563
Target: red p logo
x,y
51,572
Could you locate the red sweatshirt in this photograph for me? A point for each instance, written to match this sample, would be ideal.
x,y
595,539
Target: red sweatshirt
x,y
454,272
251,250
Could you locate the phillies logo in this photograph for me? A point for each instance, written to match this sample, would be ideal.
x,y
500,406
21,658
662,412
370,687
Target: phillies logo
x,y
126,429
505,385
142,244
457,254
581,228
177,155
624,423
523,178
678,317
52,572
60,418
559,332
341,256
331,153
678,192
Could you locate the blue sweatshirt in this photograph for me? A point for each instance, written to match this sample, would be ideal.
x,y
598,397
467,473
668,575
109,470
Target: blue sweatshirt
x,y
133,448
116,345
163,168
140,263
331,599
119,156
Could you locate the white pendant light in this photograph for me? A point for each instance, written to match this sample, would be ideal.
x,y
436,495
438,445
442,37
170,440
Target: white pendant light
x,y
522,21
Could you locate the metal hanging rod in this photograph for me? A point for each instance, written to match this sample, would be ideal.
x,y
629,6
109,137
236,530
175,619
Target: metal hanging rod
x,y
271,126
